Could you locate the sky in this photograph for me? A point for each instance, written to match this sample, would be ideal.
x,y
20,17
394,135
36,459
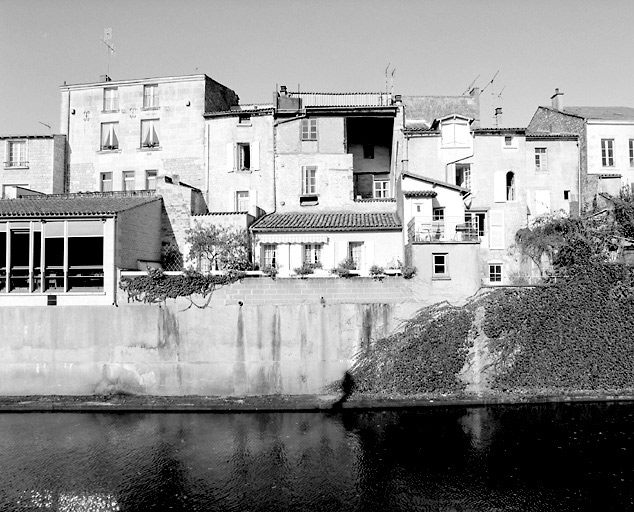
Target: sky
x,y
517,51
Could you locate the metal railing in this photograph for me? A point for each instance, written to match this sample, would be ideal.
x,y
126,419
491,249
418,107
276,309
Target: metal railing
x,y
343,99
424,229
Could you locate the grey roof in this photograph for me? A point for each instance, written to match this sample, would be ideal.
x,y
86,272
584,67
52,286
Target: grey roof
x,y
435,182
420,111
337,221
82,205
602,113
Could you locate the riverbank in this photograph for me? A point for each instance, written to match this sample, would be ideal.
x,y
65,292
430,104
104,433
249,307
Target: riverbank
x,y
271,403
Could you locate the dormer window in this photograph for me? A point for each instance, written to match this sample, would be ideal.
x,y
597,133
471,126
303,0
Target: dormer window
x,y
455,132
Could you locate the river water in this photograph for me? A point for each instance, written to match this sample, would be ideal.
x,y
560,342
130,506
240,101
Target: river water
x,y
555,457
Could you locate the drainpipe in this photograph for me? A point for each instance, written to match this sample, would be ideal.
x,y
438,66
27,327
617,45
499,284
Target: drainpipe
x,y
580,198
207,166
116,271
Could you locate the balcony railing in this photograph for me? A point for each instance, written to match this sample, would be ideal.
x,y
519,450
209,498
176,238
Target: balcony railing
x,y
450,229
343,99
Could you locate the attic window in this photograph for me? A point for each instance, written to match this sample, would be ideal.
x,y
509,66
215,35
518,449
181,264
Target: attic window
x,y
244,120
455,133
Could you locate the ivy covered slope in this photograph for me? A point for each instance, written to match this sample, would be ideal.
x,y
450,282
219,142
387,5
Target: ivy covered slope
x,y
573,333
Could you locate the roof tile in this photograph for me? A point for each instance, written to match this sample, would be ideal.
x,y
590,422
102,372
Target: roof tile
x,y
338,221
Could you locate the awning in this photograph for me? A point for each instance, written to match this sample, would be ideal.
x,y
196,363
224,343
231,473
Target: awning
x,y
294,238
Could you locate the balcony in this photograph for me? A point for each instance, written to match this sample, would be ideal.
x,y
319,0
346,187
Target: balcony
x,y
425,229
343,99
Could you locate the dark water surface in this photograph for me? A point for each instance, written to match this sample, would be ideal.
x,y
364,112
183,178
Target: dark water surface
x,y
520,458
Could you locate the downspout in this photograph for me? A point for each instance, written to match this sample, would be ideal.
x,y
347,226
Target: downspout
x,y
114,254
580,198
67,150
207,166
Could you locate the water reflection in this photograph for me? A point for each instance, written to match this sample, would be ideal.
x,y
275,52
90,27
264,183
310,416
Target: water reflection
x,y
551,457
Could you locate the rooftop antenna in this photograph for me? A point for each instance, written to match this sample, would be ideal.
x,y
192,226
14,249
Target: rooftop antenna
x,y
468,89
501,91
487,85
392,82
107,36
47,125
386,70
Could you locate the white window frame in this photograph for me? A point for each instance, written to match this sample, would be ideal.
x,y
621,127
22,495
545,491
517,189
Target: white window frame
x,y
440,265
496,273
465,171
607,152
309,129
356,252
22,161
105,178
381,189
269,255
631,148
541,160
150,133
150,96
110,99
311,253
151,177
477,221
109,140
309,180
511,190
438,214
242,201
244,156
452,132
128,180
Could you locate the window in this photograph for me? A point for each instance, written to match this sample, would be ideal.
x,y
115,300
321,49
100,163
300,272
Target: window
x,y
16,150
607,152
109,139
463,175
309,180
476,223
455,133
381,189
439,265
541,162
368,151
150,96
128,180
105,182
244,120
510,186
566,195
508,141
309,129
269,255
438,214
355,253
495,273
242,201
631,152
312,253
110,99
149,133
244,157
150,180
418,207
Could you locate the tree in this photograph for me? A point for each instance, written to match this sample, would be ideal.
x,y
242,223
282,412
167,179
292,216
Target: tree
x,y
223,248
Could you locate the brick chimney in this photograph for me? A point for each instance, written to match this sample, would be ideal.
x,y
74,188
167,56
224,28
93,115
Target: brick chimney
x,y
557,100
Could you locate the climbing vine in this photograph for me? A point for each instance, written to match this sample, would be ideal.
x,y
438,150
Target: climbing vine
x,y
156,286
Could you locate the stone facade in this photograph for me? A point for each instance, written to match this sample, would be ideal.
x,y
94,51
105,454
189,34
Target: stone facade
x,y
41,168
136,126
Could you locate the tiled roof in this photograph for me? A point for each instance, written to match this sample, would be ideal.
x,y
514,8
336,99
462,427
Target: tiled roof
x,y
420,193
600,113
328,222
435,182
420,111
84,205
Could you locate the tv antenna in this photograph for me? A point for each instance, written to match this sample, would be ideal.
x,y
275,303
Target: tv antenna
x,y
492,79
107,36
501,91
468,89
44,124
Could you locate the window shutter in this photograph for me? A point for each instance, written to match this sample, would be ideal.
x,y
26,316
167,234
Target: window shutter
x,y
369,254
231,157
255,156
496,233
499,187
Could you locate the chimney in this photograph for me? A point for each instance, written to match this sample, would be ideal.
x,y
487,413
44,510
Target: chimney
x,y
398,99
498,117
282,90
557,101
104,78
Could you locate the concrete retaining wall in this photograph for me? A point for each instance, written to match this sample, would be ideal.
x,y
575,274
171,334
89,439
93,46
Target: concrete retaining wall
x,y
170,350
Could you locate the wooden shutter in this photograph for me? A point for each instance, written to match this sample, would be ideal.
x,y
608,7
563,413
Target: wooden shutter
x,y
499,187
496,231
231,157
255,156
542,202
369,254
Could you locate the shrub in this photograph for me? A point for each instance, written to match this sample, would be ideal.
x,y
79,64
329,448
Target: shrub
x,y
307,268
375,270
270,271
344,268
408,272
